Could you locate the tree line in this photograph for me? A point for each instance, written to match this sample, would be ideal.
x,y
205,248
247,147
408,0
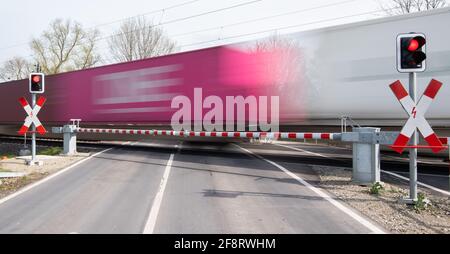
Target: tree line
x,y
394,7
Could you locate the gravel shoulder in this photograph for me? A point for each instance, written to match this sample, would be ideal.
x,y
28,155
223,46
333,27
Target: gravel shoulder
x,y
385,207
10,163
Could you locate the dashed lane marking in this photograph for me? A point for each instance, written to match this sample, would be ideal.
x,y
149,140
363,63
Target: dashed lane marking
x,y
153,215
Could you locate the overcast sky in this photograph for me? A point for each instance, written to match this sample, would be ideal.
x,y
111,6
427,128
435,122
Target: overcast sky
x,y
21,20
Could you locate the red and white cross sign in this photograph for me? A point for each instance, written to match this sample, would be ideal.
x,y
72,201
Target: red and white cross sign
x,y
416,116
32,115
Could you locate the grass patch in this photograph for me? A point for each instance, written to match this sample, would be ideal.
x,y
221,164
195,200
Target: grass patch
x,y
422,202
376,188
4,170
10,185
51,151
7,156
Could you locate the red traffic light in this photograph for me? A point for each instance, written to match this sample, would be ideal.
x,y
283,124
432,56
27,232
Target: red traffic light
x,y
411,52
36,82
413,45
36,78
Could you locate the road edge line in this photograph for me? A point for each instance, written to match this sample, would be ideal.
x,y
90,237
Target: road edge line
x,y
45,179
156,205
322,194
419,183
381,170
309,152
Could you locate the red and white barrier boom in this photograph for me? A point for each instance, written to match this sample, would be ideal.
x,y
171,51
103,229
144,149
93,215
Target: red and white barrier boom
x,y
227,134
416,117
32,115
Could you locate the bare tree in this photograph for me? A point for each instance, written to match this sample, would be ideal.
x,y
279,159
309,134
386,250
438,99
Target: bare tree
x,y
394,7
138,38
65,46
434,4
15,69
86,56
287,51
284,62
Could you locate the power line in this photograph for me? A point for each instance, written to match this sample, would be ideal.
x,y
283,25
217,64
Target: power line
x,y
119,20
184,18
178,19
264,18
283,28
253,20
146,13
238,23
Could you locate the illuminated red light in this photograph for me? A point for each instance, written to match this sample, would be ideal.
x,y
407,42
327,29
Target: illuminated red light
x,y
36,78
413,45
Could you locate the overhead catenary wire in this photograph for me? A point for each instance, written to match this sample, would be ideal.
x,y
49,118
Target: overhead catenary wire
x,y
146,13
283,28
225,38
118,20
265,18
184,18
161,23
274,16
175,20
272,30
276,29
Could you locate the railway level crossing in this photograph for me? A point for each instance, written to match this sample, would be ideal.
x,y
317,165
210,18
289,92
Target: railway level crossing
x,y
366,140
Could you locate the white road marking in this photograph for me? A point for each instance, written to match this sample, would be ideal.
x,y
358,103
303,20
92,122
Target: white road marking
x,y
28,187
384,171
419,183
277,142
308,152
407,159
322,194
420,174
342,148
331,158
151,221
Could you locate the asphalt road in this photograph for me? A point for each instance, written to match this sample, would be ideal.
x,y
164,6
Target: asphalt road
x,y
173,187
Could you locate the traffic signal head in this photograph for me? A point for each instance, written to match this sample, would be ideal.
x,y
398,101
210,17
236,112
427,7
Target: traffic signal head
x,y
37,83
411,52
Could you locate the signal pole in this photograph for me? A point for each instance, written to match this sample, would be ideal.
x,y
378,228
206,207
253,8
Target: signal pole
x,y
33,132
414,141
410,59
36,86
33,127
